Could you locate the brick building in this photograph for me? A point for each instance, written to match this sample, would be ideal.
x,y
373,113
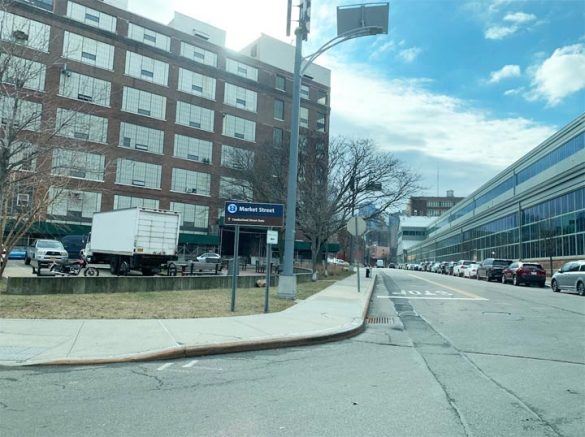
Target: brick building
x,y
161,107
430,206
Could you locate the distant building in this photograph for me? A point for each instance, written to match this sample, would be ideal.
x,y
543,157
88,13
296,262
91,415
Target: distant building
x,y
432,206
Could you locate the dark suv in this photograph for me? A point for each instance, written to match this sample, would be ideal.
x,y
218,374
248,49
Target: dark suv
x,y
491,268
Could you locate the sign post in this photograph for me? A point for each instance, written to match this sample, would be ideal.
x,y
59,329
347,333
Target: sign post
x,y
271,238
356,226
251,214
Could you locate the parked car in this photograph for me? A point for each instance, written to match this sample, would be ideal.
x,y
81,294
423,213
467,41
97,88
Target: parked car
x,y
519,273
460,266
492,268
209,257
391,265
42,253
471,271
570,277
449,268
435,267
17,252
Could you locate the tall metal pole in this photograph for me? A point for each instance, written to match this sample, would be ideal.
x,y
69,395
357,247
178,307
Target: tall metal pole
x,y
287,284
235,267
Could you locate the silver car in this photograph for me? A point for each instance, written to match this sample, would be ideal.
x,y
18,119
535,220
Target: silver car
x,y
570,277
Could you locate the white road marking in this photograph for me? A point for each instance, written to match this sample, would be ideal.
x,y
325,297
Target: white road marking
x,y
191,364
430,298
164,366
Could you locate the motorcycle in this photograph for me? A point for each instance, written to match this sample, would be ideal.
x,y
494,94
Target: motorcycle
x,y
73,268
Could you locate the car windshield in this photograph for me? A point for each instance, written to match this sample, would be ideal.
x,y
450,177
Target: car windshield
x,y
49,244
532,266
501,262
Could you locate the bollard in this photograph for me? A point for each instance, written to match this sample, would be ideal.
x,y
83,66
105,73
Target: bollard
x,y
367,272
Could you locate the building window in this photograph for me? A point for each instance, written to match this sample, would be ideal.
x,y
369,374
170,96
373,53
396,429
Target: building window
x,y
144,103
23,73
138,174
198,54
280,82
304,92
279,109
141,138
236,157
240,97
122,202
86,88
150,37
22,156
240,69
192,149
78,164
304,117
73,204
322,97
191,182
240,128
277,136
194,116
234,189
81,126
192,216
88,51
196,84
20,114
148,69
91,17
30,33
321,122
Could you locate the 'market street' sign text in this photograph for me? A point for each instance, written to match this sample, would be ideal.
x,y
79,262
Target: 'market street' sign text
x,y
254,214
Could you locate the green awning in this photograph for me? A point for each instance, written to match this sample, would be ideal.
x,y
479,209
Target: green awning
x,y
208,240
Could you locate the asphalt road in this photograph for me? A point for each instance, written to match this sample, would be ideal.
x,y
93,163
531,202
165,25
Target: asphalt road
x,y
441,356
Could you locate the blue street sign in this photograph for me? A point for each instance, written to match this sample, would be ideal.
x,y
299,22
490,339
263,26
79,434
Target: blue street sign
x,y
254,214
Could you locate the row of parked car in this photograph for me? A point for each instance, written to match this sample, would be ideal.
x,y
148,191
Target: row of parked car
x,y
570,277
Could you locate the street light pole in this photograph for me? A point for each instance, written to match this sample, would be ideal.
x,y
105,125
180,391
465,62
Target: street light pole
x,y
371,20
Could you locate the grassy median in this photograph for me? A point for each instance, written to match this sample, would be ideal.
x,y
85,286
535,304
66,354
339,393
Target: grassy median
x,y
153,305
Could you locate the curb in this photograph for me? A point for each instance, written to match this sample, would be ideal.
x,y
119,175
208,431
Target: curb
x,y
224,348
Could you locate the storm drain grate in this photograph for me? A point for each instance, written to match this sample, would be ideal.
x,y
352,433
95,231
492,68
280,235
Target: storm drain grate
x,y
379,320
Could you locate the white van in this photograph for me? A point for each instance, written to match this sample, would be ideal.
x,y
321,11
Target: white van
x,y
380,263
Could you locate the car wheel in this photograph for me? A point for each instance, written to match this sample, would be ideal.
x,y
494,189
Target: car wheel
x,y
515,281
504,279
124,268
581,289
27,261
555,286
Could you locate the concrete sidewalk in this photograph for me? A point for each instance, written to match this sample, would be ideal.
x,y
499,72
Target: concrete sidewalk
x,y
336,312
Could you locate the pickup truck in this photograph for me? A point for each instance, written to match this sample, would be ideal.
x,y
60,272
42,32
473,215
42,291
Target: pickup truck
x,y
41,253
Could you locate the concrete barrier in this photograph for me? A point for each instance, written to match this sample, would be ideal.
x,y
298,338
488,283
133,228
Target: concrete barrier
x,y
125,284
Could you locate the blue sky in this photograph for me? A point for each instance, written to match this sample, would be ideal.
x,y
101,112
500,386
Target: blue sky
x,y
457,88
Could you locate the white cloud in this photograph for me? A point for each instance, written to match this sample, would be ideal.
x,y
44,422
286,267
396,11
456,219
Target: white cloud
x,y
409,55
500,32
559,76
403,115
507,71
519,17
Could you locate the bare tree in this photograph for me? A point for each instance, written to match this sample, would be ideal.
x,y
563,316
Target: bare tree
x,y
44,151
333,180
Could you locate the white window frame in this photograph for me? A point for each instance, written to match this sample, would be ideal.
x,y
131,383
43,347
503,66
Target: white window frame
x,y
123,202
196,84
228,153
199,213
62,200
77,164
90,89
30,74
144,103
241,69
142,174
91,17
241,98
198,54
142,138
81,126
88,51
191,182
193,149
195,116
149,37
240,128
37,34
234,189
147,69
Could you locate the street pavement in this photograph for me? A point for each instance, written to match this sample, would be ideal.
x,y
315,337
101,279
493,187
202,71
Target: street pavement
x,y
336,312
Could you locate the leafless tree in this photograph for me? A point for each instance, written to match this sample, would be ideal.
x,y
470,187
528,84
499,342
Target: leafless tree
x,y
333,180
42,154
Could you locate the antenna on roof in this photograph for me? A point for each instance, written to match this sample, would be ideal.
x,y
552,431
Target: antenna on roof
x,y
288,17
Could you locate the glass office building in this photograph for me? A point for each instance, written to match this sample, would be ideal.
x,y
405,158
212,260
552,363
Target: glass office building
x,y
533,210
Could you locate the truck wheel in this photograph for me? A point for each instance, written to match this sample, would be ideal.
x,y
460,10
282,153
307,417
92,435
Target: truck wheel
x,y
114,265
124,268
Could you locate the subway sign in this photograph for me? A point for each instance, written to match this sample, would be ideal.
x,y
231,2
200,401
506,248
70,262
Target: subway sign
x,y
254,214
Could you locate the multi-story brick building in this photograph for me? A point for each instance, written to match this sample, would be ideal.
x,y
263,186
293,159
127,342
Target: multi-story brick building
x,y
164,107
430,206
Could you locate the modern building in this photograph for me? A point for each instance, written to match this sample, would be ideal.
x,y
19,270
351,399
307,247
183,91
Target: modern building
x,y
533,210
161,108
412,230
430,206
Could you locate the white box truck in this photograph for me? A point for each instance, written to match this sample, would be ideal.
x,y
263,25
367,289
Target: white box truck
x,y
134,239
